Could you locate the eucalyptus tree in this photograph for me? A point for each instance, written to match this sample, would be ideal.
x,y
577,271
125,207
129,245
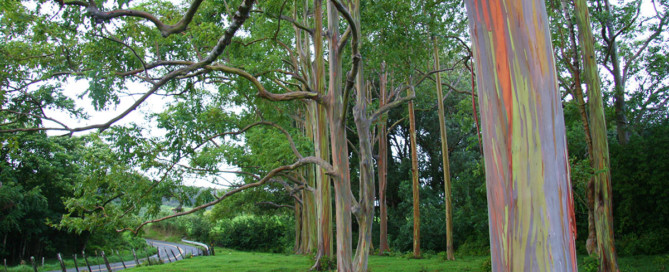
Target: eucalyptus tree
x,y
603,209
127,43
527,169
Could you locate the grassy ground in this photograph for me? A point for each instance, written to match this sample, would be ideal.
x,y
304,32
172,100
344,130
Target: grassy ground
x,y
53,264
231,260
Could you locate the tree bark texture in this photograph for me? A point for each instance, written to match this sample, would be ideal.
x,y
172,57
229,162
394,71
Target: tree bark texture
x,y
591,241
444,157
321,142
414,174
600,150
383,166
530,204
339,146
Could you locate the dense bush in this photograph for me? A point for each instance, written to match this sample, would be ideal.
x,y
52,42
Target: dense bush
x,y
640,171
251,232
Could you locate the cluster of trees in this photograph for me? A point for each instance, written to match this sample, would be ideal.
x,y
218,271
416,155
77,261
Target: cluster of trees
x,y
342,110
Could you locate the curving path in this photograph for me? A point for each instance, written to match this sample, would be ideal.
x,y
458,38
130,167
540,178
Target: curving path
x,y
165,249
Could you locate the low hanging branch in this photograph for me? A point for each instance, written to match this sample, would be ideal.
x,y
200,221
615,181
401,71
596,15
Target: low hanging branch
x,y
265,179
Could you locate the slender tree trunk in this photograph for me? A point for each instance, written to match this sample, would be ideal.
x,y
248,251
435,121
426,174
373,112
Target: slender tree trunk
x,y
339,147
530,205
414,174
603,205
591,242
321,144
383,167
365,215
444,158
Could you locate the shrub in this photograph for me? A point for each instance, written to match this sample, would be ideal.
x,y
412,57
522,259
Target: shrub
x,y
255,233
590,264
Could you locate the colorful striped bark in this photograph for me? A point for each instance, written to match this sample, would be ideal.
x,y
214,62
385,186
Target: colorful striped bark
x,y
600,149
527,170
321,143
339,146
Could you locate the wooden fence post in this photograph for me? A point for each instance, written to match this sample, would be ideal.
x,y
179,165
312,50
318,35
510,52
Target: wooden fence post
x,y
106,262
148,258
211,247
119,255
42,260
62,264
5,261
86,260
32,260
76,266
135,255
159,259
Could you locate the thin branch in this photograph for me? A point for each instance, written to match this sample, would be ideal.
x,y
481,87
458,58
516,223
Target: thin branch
x,y
269,203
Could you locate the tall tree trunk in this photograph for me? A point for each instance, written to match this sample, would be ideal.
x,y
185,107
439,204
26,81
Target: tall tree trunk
x,y
591,241
603,205
530,205
414,174
383,166
365,214
339,147
321,144
618,81
444,158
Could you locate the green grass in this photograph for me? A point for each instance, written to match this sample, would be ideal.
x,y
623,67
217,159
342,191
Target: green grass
x,y
232,260
53,264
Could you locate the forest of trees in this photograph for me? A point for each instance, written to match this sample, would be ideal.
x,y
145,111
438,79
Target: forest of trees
x,y
353,127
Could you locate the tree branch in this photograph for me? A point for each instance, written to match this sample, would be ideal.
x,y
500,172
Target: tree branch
x,y
164,29
266,178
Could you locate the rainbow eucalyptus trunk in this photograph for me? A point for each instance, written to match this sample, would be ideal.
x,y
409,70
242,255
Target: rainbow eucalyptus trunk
x,y
383,166
530,205
414,174
339,147
324,199
365,210
600,149
444,158
591,242
310,197
365,214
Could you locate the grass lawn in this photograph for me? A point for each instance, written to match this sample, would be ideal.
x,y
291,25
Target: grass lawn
x,y
231,260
